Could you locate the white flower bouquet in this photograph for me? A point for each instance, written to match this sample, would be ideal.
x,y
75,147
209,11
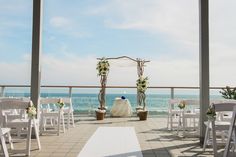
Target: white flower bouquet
x,y
142,84
103,67
182,105
60,103
31,110
211,113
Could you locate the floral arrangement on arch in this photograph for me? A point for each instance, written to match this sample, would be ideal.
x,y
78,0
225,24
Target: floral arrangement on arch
x,y
103,67
211,113
31,110
182,104
60,103
142,84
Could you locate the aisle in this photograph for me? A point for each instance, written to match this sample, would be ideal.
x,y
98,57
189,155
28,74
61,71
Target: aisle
x,y
112,142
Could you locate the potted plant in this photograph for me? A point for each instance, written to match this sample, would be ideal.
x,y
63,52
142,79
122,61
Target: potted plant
x,y
228,93
103,69
141,88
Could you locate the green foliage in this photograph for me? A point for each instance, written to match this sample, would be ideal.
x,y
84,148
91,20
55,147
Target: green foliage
x,y
103,67
228,93
211,112
182,104
142,84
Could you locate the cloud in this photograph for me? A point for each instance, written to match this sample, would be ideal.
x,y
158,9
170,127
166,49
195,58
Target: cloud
x,y
176,19
71,69
65,26
59,22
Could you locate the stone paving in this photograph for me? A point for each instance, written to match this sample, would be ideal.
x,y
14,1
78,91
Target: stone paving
x,y
155,140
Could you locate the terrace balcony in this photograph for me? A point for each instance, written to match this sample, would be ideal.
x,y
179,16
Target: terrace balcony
x,y
153,136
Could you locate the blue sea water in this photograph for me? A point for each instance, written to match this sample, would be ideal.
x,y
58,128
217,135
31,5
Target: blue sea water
x,y
87,103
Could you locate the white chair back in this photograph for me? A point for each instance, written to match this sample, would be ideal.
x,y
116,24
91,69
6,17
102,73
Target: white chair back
x,y
13,104
174,101
227,106
192,102
68,102
49,100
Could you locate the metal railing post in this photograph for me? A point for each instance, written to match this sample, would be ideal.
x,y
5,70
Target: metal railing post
x,y
70,92
172,93
2,94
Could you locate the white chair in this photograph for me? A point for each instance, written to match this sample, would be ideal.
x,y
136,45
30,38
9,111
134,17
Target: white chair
x,y
189,116
5,132
173,113
68,110
51,119
232,129
22,123
215,125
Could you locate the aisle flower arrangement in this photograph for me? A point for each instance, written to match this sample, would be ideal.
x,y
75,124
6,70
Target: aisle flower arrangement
x,y
60,103
31,110
182,105
211,114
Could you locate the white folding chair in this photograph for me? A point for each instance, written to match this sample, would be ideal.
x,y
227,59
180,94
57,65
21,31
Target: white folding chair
x,y
190,116
232,129
23,123
173,113
5,132
68,109
217,125
54,115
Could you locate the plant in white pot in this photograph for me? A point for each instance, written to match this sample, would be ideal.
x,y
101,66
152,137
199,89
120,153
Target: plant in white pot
x,y
103,70
142,83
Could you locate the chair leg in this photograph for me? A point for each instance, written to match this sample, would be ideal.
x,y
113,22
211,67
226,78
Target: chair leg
x,y
184,125
41,126
214,138
10,140
179,125
168,121
68,120
4,147
63,123
58,125
28,142
72,118
37,134
206,137
171,122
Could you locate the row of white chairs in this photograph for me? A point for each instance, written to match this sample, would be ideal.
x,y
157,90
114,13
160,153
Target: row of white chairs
x,y
13,118
222,126
184,119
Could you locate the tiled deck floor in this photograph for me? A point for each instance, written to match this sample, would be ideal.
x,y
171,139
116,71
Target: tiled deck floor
x,y
154,139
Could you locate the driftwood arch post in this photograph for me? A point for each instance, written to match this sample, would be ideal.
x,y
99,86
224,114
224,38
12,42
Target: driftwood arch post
x,y
103,80
141,96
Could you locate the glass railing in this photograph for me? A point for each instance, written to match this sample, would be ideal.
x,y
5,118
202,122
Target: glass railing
x,y
84,98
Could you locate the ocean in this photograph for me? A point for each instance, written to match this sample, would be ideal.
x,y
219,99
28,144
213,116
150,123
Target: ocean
x,y
157,104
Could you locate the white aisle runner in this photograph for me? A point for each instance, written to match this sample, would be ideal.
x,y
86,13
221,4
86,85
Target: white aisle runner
x,y
112,142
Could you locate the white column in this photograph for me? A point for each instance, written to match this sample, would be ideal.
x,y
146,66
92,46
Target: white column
x,y
203,64
36,51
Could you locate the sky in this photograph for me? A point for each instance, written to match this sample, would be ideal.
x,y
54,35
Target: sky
x,y
76,32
